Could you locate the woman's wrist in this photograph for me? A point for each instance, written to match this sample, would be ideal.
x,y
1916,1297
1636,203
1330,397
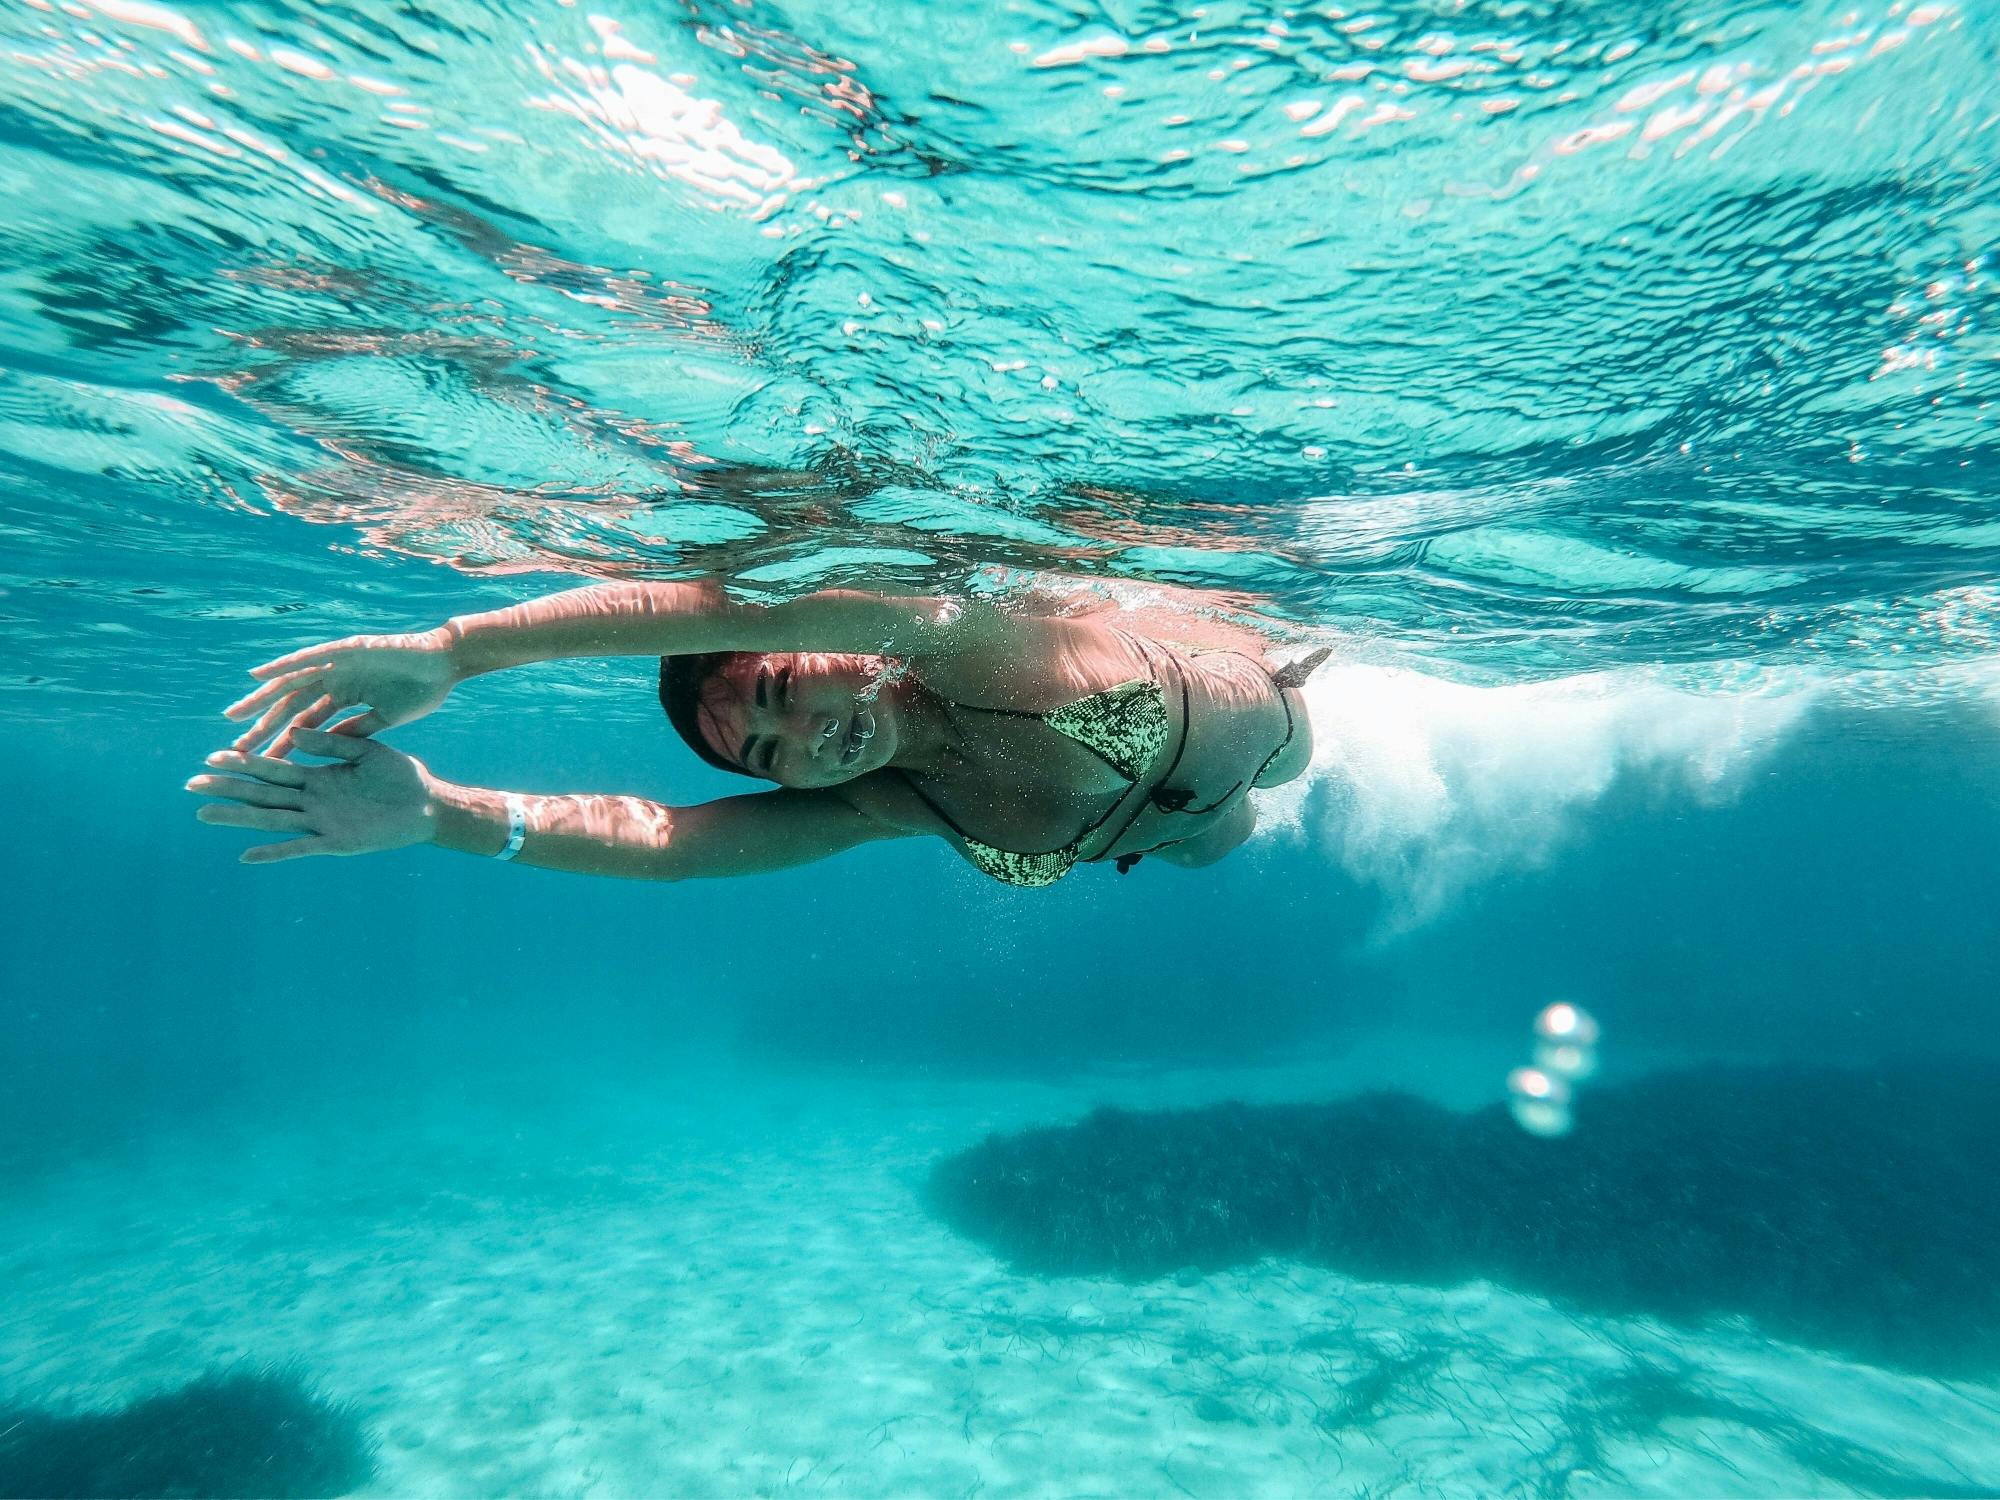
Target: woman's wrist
x,y
453,639
470,819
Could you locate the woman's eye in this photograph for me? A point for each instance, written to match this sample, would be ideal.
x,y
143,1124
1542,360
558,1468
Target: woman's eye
x,y
784,687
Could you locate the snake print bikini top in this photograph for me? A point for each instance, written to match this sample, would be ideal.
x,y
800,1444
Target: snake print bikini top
x,y
1127,727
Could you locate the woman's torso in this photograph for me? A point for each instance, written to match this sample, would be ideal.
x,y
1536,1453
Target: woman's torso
x,y
1047,773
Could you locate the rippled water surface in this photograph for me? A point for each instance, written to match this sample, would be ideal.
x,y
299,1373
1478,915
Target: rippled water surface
x,y
1509,338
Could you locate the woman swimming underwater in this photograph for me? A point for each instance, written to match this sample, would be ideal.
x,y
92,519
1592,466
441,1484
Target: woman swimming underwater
x,y
1030,742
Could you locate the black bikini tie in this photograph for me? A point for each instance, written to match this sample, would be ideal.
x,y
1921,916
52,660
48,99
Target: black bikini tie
x,y
1179,800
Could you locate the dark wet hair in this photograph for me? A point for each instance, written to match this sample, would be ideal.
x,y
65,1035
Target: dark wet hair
x,y
684,683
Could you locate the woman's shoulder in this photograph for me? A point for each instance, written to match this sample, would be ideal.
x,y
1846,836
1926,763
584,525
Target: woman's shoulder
x,y
1034,663
887,797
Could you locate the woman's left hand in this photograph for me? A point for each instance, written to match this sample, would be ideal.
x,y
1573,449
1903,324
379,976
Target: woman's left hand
x,y
397,677
373,797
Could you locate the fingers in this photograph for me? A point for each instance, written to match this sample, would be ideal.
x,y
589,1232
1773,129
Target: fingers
x,y
310,717
267,722
333,746
263,767
262,697
255,793
267,854
293,660
361,725
270,819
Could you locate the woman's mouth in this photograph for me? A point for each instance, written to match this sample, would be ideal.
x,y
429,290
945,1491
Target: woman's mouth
x,y
860,730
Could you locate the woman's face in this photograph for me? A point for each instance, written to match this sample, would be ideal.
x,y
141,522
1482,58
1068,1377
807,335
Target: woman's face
x,y
802,718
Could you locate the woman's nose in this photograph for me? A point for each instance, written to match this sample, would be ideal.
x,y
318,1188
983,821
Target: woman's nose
x,y
810,732
819,731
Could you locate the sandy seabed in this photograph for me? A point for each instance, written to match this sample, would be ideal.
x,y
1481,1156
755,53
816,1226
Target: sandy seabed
x,y
725,1283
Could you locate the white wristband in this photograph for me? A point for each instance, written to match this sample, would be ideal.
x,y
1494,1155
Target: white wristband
x,y
517,826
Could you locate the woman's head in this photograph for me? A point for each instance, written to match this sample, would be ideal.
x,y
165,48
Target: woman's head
x,y
799,718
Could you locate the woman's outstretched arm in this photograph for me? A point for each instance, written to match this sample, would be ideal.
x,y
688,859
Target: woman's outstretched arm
x,y
373,797
397,678
674,619
634,839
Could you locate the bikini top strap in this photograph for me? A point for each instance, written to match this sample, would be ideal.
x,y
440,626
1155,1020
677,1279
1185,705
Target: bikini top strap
x,y
1076,843
932,803
1291,727
1292,675
1141,795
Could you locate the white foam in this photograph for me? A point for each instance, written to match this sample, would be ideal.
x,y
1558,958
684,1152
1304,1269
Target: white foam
x,y
1422,787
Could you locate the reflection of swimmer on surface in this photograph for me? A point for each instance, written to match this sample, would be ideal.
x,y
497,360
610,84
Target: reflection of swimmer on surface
x,y
1031,742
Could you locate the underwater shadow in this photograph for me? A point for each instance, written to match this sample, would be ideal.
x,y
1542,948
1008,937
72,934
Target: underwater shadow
x,y
1852,1211
231,1433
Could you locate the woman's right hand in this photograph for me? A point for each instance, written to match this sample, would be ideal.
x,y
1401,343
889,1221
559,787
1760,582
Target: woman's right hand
x,y
373,797
393,678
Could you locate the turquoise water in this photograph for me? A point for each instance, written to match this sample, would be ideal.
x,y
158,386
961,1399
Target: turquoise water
x,y
1528,339
1611,386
